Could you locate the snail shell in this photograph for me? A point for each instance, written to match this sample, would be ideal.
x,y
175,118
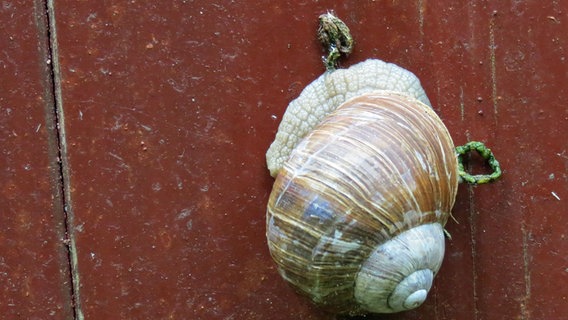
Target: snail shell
x,y
355,218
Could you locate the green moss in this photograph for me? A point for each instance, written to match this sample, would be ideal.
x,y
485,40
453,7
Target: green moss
x,y
483,152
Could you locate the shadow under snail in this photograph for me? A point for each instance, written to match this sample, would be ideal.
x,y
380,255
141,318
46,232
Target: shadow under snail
x,y
366,177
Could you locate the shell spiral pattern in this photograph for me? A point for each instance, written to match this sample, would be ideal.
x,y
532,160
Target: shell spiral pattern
x,y
380,165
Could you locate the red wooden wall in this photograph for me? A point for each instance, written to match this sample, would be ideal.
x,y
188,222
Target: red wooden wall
x,y
133,182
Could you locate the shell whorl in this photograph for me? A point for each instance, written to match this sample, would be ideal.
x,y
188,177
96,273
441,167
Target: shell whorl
x,y
379,165
398,274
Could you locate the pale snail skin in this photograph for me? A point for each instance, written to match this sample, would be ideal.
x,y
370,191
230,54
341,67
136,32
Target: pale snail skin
x,y
365,182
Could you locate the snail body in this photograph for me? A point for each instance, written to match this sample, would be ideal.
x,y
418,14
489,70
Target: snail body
x,y
366,176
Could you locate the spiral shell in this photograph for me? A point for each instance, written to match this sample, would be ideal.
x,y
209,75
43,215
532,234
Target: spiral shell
x,y
355,218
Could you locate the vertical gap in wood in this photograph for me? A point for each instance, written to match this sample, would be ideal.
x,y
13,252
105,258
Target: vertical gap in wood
x,y
64,177
525,313
492,47
473,234
462,105
58,203
421,11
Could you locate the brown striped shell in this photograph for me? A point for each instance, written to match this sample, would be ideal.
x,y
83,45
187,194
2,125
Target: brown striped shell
x,y
355,218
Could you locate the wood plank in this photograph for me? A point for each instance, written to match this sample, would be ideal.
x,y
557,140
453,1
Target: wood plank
x,y
34,268
170,108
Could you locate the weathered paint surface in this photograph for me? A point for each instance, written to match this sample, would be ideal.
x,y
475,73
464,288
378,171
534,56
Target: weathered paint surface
x,y
168,109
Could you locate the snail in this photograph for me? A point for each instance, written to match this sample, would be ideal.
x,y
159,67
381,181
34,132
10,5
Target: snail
x,y
366,177
372,181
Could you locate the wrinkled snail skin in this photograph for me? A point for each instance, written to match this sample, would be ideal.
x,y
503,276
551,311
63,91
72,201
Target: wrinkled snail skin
x,y
355,218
